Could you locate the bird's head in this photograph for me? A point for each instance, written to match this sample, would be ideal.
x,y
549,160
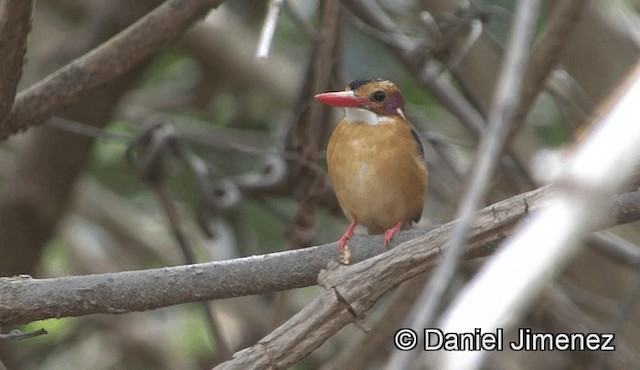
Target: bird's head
x,y
368,101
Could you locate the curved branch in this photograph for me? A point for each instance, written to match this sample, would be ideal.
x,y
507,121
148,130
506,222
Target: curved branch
x,y
112,59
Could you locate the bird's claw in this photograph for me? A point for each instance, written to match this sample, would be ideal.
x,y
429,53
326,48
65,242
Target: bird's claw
x,y
345,255
388,235
343,250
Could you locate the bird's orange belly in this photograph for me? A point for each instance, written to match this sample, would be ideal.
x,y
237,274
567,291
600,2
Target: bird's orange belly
x,y
378,185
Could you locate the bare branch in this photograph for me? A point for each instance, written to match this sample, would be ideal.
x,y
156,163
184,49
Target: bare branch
x,y
268,29
616,248
93,70
17,334
15,24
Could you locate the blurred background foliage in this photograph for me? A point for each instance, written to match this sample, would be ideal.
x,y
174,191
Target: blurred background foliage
x,y
233,112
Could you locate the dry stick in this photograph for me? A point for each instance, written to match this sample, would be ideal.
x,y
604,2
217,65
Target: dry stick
x,y
597,167
100,66
18,335
300,231
504,104
268,29
310,132
616,248
15,25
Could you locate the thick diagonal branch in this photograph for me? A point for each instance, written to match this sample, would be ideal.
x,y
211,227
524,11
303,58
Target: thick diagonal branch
x,y
362,284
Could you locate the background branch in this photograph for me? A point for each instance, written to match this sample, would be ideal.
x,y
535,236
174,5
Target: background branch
x,y
546,53
15,25
103,64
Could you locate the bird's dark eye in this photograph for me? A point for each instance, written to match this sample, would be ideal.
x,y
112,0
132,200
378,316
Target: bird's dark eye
x,y
379,96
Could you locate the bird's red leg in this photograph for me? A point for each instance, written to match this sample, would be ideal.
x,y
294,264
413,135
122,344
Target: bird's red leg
x,y
342,243
390,232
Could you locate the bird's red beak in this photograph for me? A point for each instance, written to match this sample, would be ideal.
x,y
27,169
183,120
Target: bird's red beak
x,y
341,99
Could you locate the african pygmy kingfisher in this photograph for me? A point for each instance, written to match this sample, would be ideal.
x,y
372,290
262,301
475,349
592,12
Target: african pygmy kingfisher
x,y
375,159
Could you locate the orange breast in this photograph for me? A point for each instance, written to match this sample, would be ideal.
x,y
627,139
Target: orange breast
x,y
377,173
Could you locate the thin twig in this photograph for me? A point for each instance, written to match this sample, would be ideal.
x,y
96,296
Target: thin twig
x,y
309,130
268,29
18,335
616,248
546,54
84,129
504,104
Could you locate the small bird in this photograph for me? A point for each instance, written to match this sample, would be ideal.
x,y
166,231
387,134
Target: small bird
x,y
376,160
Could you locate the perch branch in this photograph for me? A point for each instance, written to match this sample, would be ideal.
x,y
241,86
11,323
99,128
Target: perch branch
x,y
23,299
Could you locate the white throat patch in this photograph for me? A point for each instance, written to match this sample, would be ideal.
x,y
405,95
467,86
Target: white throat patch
x,y
365,116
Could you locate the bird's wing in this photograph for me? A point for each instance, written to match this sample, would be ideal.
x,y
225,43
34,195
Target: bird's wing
x,y
419,146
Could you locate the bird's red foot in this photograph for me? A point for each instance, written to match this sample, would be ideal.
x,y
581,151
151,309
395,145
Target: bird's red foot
x,y
343,249
390,232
